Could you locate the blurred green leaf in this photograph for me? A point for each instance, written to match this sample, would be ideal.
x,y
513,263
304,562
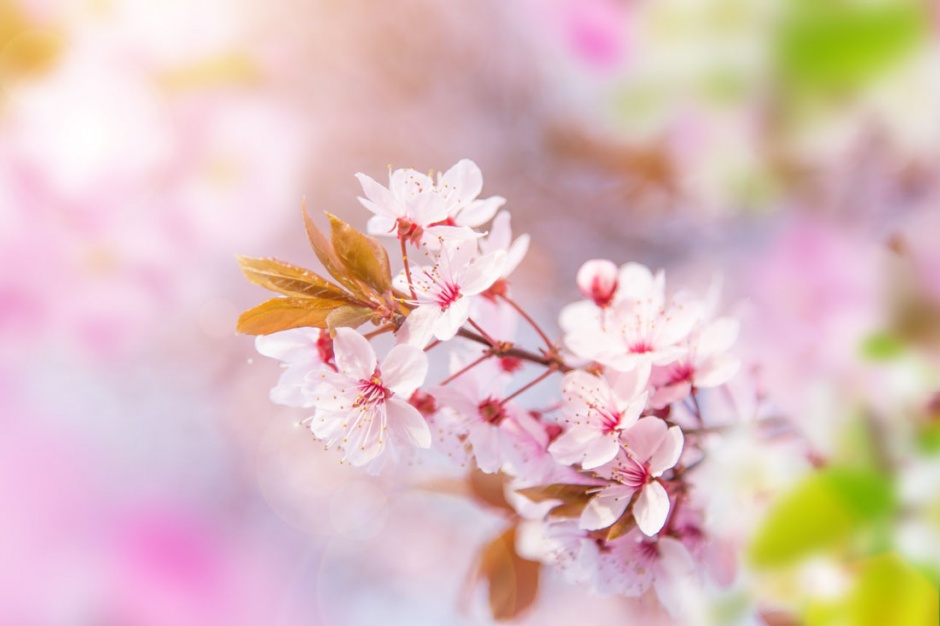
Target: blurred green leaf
x,y
890,591
929,439
882,347
825,45
827,510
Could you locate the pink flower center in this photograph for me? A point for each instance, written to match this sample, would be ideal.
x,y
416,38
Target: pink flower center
x,y
492,411
633,474
447,295
647,551
602,291
609,419
641,347
372,391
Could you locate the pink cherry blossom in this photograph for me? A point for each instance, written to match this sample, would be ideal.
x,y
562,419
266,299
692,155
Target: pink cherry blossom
x,y
706,363
361,407
597,280
444,288
599,408
414,206
500,238
639,327
300,351
635,563
493,428
651,449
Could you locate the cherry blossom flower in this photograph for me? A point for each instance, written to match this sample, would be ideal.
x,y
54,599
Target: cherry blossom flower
x,y
361,407
415,207
599,409
300,351
443,290
635,563
652,448
493,427
706,363
597,280
500,238
638,326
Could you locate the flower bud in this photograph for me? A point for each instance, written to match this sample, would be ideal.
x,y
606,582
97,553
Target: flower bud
x,y
597,280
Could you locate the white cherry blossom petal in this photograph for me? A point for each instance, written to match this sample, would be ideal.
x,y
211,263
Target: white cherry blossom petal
x,y
605,508
651,508
483,272
668,453
354,355
644,437
418,327
405,421
404,369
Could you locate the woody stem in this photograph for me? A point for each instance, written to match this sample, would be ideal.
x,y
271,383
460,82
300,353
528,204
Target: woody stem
x,y
518,353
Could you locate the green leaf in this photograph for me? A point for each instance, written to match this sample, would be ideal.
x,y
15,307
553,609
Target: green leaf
x,y
362,256
828,509
286,313
290,280
882,347
513,581
886,590
837,45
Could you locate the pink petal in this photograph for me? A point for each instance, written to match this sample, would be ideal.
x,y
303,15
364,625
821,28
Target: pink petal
x,y
605,508
675,577
419,326
404,369
597,280
718,336
405,420
482,272
380,200
644,437
601,450
668,453
515,254
354,356
635,282
487,447
449,322
717,371
465,179
479,212
297,345
651,508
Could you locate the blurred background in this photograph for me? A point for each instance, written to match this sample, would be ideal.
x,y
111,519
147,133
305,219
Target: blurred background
x,y
789,146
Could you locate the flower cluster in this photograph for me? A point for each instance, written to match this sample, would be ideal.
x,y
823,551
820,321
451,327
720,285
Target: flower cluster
x,y
594,463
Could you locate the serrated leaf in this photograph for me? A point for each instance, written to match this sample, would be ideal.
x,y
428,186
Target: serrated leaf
x,y
285,313
513,581
290,280
328,257
348,317
361,255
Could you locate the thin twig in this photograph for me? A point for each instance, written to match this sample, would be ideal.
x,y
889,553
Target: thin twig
x,y
487,354
527,318
529,385
519,353
404,261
